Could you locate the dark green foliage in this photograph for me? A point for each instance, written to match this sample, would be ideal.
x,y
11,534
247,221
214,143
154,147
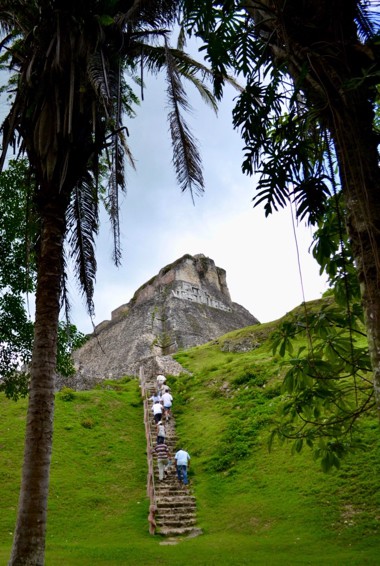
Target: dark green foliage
x,y
88,423
17,276
14,384
66,394
16,337
332,250
240,436
290,115
327,379
16,350
326,382
69,339
18,229
250,377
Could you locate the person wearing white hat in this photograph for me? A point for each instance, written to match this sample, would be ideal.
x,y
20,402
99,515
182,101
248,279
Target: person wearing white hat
x,y
160,383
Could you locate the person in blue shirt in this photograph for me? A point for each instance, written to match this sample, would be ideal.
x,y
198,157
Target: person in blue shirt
x,y
182,462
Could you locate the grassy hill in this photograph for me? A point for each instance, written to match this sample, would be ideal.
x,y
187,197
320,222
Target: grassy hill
x,y
254,507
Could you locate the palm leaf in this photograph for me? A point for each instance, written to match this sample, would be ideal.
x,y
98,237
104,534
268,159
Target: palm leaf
x,y
82,226
186,158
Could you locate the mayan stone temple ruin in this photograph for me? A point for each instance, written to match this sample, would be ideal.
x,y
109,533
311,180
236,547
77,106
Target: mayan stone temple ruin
x,y
185,305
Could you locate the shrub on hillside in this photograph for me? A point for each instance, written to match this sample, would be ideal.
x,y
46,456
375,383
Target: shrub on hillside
x,y
67,394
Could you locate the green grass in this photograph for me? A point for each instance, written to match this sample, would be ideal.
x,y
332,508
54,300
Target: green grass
x,y
254,507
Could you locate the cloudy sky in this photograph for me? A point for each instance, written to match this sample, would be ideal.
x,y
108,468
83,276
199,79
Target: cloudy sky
x,y
159,224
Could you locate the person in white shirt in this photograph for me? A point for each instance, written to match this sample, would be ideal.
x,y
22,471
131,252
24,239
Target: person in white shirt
x,y
157,411
161,432
167,401
182,462
155,397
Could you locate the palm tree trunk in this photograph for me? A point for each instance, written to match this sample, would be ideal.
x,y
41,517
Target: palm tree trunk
x,y
29,539
356,147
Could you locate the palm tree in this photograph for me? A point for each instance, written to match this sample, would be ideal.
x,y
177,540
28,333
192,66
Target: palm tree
x,y
70,95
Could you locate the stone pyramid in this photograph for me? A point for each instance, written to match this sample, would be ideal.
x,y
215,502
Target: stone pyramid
x,y
186,304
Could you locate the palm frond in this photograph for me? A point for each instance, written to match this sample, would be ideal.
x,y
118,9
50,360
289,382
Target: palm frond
x,y
155,13
368,18
196,72
181,41
205,93
116,180
186,158
99,77
65,300
82,227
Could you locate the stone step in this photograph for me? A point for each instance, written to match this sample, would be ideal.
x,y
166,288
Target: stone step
x,y
178,531
170,432
182,496
170,478
171,495
175,502
171,491
183,516
171,443
169,436
170,482
170,487
174,523
178,498
176,510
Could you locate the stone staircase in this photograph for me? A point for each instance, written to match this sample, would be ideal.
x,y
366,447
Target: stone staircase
x,y
175,504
